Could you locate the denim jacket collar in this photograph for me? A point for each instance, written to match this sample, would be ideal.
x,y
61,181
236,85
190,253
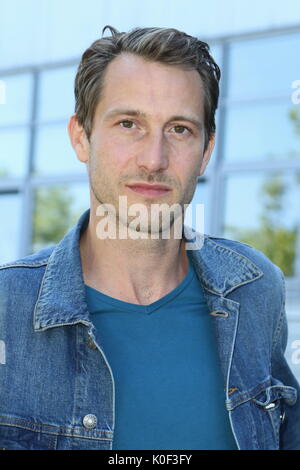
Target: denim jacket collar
x,y
63,276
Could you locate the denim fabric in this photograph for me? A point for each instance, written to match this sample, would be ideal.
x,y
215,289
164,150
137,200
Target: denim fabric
x,y
56,385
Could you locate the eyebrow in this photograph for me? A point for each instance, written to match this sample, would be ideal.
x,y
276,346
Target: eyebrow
x,y
138,113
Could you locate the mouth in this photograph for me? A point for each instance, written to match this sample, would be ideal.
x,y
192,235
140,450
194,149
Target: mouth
x,y
149,190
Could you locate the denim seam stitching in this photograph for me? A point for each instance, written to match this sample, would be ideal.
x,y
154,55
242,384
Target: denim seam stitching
x,y
249,261
59,431
246,396
281,319
37,265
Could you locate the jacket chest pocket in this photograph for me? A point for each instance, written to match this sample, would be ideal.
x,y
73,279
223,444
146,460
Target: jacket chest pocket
x,y
18,433
272,401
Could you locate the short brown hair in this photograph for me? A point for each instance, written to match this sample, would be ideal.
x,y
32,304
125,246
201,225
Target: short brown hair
x,y
165,45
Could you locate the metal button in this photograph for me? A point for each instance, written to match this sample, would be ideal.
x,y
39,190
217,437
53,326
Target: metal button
x,y
90,421
282,417
270,406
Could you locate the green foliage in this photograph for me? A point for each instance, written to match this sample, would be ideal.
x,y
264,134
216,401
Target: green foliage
x,y
294,115
52,216
277,242
272,238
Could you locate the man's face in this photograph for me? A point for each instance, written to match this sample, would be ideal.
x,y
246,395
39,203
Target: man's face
x,y
147,141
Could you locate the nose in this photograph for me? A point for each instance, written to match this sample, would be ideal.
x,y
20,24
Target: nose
x,y
153,154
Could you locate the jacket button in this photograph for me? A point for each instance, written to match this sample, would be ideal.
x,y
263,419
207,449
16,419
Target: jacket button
x,y
270,406
282,417
90,421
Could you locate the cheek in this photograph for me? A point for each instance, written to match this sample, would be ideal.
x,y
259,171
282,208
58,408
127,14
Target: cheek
x,y
111,154
188,166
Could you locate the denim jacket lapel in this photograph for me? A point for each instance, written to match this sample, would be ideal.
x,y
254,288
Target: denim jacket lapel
x,y
220,271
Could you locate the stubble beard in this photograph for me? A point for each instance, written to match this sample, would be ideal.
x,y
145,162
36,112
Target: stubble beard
x,y
106,197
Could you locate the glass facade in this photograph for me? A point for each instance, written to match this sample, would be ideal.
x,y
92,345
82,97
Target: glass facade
x,y
10,228
261,131
266,216
250,191
263,67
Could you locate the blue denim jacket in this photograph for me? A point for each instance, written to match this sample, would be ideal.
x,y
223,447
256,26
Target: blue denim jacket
x,y
57,387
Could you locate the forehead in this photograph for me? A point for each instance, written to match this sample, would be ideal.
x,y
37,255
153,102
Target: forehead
x,y
130,80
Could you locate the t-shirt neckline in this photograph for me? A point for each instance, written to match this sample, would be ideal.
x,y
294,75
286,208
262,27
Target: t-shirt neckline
x,y
131,307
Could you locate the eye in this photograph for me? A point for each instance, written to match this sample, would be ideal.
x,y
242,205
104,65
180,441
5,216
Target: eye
x,y
127,124
181,130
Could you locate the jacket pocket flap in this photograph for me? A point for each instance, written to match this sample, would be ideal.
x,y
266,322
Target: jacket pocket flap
x,y
276,392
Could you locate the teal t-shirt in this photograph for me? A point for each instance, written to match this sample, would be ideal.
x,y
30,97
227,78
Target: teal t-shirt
x,y
169,392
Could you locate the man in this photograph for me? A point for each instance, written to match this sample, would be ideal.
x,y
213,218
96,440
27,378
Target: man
x,y
124,335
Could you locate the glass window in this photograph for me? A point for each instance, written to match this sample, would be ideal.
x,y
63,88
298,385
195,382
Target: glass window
x,y
54,152
57,208
14,146
56,93
18,97
263,67
264,211
10,227
259,131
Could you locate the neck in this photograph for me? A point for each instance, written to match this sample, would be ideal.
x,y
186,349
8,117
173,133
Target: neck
x,y
138,271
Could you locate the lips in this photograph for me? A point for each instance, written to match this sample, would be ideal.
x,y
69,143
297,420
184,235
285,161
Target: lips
x,y
150,190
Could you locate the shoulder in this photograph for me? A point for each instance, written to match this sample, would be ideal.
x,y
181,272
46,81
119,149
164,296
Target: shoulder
x,y
272,274
33,260
249,252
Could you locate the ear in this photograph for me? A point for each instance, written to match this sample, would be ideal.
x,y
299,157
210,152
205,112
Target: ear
x,y
207,154
79,140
